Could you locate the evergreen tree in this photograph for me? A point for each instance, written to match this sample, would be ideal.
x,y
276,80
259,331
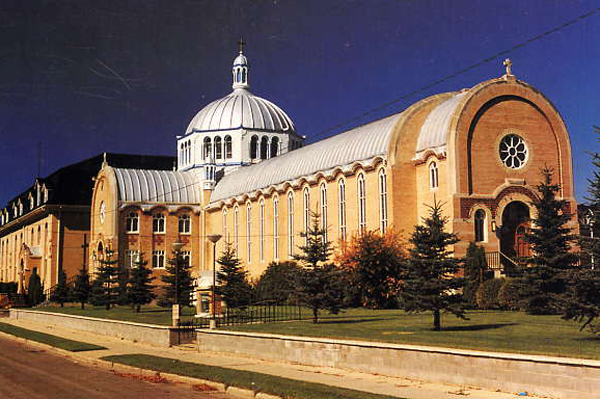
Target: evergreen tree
x,y
277,283
475,272
430,282
582,301
104,286
545,281
82,288
232,280
178,275
35,290
373,263
122,288
319,283
140,285
62,290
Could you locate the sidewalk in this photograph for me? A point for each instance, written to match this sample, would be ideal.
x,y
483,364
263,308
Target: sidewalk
x,y
399,387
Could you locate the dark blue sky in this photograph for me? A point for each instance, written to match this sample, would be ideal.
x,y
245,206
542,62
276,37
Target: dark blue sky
x,y
83,77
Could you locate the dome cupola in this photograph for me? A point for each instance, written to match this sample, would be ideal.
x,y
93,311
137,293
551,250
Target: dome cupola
x,y
240,69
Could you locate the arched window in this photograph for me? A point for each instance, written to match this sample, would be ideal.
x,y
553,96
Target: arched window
x,y
249,232
228,147
239,75
218,148
254,147
39,235
158,223
181,154
261,229
383,211
274,147
433,175
362,206
236,229
185,225
207,148
306,213
264,147
189,150
323,190
290,223
224,225
480,225
131,222
276,227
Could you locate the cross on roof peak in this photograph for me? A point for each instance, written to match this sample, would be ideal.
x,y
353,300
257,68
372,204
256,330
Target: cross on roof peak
x,y
242,43
508,64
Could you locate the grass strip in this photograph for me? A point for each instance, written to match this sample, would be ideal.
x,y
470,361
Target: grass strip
x,y
258,382
52,340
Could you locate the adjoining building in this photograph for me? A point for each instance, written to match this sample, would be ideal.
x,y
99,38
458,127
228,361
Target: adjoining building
x,y
46,228
244,174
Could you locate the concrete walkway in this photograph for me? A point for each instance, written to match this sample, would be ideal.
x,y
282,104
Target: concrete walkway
x,y
399,387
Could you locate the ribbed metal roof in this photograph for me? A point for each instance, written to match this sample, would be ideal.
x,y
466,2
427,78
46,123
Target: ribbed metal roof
x,y
241,109
142,185
361,143
435,129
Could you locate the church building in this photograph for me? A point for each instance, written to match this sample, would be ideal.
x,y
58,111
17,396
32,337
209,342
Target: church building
x,y
245,177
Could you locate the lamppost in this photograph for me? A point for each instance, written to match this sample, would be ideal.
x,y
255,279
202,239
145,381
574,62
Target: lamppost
x,y
175,310
214,238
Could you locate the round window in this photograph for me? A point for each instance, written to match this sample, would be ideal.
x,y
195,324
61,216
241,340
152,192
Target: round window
x,y
513,151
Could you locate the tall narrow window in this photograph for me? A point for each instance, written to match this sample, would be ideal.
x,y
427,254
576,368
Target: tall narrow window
x,y
218,148
261,229
254,147
342,208
207,148
264,147
224,224
306,213
479,225
383,211
185,224
236,229
186,257
276,228
324,210
131,222
158,223
158,259
362,206
131,258
274,147
290,224
433,175
249,232
228,147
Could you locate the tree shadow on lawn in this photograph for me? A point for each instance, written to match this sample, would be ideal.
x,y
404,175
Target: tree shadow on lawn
x,y
479,327
349,321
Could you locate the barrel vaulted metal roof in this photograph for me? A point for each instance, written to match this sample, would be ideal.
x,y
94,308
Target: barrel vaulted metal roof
x,y
142,185
241,109
361,143
434,130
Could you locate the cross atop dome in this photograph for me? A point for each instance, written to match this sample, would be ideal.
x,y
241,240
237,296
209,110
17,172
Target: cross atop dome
x,y
508,64
242,43
240,69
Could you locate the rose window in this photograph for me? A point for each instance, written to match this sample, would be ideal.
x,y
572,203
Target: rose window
x,y
513,151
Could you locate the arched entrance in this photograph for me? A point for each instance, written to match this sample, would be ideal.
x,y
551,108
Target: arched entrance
x,y
515,224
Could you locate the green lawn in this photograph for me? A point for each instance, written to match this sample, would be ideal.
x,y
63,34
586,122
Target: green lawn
x,y
486,330
258,382
148,315
52,340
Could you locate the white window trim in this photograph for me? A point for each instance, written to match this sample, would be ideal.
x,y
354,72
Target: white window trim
x,y
362,202
276,228
137,223
290,204
184,217
383,208
434,177
157,256
323,197
261,230
248,232
159,217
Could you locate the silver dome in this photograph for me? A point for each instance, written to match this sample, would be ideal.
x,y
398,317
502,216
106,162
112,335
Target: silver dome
x,y
241,109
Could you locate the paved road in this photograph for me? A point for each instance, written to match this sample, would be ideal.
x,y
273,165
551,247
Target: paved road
x,y
27,372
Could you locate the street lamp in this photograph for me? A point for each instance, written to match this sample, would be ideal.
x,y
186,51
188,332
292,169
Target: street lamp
x,y
175,309
214,238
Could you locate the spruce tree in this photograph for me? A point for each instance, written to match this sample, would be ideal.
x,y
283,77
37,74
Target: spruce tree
x,y
178,275
232,280
140,290
61,290
319,283
277,283
82,288
582,301
430,282
104,286
35,290
475,272
545,281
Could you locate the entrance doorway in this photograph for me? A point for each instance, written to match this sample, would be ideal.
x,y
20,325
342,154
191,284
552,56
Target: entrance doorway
x,y
515,225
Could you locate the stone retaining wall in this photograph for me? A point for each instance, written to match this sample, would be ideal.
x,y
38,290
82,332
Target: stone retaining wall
x,y
136,332
540,375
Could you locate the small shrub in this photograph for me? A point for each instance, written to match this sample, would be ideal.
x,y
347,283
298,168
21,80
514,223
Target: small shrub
x,y
508,296
487,294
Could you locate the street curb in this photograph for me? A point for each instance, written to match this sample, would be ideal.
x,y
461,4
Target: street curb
x,y
106,364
